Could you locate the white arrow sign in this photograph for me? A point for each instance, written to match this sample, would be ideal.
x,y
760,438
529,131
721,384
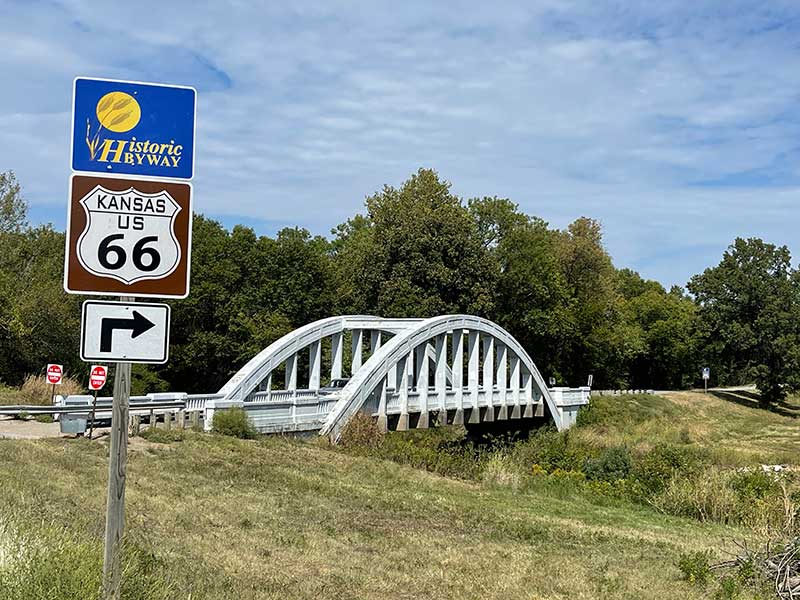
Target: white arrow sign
x,y
125,332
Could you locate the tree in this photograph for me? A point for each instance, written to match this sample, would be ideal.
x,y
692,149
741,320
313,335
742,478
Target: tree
x,y
664,322
13,208
532,298
416,253
597,340
749,317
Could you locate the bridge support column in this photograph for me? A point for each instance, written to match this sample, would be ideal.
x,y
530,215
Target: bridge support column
x,y
473,338
422,385
527,386
356,343
314,364
502,382
488,375
440,380
383,422
458,375
291,373
336,356
374,340
513,361
402,376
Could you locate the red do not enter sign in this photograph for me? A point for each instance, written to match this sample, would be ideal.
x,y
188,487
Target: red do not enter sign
x,y
97,377
54,374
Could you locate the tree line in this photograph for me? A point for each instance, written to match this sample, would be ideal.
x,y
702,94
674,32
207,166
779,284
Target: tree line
x,y
418,251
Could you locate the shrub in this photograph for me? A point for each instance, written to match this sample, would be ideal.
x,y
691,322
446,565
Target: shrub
x,y
35,390
361,433
233,422
501,471
612,464
652,471
443,450
695,567
552,450
754,485
704,497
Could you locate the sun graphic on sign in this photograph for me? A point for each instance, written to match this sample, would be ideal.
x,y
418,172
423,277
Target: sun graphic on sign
x,y
118,112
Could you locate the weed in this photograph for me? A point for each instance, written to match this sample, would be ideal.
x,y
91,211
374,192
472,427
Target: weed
x,y
695,567
233,422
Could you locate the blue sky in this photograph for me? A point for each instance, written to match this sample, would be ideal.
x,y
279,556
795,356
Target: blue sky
x,y
676,124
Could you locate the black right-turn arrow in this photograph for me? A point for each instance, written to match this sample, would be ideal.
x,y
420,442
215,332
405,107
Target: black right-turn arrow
x,y
138,324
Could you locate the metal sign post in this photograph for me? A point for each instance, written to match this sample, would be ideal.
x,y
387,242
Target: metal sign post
x,y
97,379
706,376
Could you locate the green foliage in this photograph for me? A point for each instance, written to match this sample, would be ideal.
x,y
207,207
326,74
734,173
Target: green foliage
x,y
612,464
52,562
441,450
754,485
13,208
653,470
233,422
419,250
749,317
695,567
361,433
552,451
417,253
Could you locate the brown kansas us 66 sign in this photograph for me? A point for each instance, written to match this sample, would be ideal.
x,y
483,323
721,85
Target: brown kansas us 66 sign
x,y
128,237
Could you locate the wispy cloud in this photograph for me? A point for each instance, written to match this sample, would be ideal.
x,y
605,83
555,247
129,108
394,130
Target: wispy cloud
x,y
675,123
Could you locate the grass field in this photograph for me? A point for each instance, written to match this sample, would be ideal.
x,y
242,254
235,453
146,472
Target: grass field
x,y
218,518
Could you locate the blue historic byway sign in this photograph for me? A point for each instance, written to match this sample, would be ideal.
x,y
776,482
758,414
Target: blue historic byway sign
x,y
125,127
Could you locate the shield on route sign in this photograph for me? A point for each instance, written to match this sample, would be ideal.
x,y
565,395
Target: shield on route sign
x,y
129,235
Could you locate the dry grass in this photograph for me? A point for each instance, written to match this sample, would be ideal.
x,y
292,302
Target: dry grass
x,y
283,519
730,425
35,390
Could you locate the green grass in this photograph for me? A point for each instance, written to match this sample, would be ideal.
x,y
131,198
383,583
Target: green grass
x,y
282,519
211,517
730,425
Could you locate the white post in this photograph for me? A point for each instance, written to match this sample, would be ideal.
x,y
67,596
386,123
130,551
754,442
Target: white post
x,y
472,374
402,376
374,340
422,385
336,356
488,375
269,386
458,375
513,361
383,423
356,364
527,386
314,364
441,376
291,373
502,381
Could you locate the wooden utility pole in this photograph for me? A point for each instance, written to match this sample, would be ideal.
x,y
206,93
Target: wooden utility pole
x,y
117,467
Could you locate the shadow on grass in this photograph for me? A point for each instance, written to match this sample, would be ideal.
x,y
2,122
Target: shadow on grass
x,y
753,400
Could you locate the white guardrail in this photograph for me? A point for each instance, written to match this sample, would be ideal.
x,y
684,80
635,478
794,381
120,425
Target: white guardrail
x,y
287,411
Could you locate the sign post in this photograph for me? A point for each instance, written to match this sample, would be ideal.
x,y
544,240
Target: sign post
x,y
127,237
97,379
706,376
117,473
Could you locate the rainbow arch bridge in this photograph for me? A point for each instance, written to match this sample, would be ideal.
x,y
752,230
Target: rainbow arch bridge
x,y
406,373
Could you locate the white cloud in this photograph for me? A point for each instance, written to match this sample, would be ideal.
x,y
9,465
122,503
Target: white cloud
x,y
615,110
